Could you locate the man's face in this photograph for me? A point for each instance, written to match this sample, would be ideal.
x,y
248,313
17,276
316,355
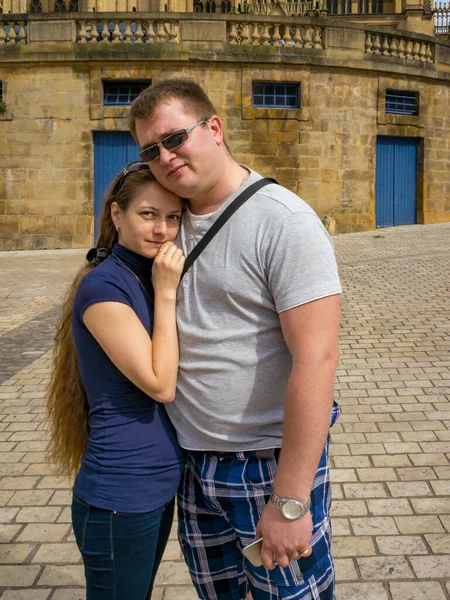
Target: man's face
x,y
189,169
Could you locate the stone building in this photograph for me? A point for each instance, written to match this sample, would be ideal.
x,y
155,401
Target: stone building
x,y
346,102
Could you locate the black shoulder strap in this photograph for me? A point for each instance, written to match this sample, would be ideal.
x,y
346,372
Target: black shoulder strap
x,y
227,213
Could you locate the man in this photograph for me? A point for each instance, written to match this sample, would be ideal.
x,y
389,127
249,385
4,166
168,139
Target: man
x,y
258,329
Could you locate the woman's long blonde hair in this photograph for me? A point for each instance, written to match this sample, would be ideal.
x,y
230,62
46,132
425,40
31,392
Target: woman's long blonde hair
x,y
67,406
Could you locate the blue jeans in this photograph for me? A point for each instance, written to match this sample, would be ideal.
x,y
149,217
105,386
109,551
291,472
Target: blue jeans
x,y
121,551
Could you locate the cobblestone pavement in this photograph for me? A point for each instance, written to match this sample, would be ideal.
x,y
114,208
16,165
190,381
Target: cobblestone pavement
x,y
390,451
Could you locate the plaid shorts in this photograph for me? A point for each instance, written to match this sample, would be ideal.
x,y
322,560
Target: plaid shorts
x,y
220,500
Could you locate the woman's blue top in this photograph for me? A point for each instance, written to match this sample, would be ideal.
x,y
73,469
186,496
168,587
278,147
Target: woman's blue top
x,y
133,462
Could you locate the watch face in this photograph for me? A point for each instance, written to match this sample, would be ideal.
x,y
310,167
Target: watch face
x,y
292,510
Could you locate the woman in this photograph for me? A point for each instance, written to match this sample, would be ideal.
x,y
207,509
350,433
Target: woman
x,y
115,366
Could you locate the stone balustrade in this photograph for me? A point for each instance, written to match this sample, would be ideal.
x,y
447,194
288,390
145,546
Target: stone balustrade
x,y
236,30
407,47
136,31
13,32
273,34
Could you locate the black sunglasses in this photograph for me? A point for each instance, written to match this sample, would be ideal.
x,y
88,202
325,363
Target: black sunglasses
x,y
172,141
137,165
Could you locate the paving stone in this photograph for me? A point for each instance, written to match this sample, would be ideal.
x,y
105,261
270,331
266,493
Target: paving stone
x,y
437,506
38,532
357,591
345,570
431,459
55,483
400,544
5,497
341,526
417,590
364,490
7,532
347,508
416,474
392,460
374,525
389,567
62,575
8,514
175,573
389,506
419,524
61,498
438,542
14,553
353,546
18,483
38,514
173,550
409,488
18,576
341,475
13,457
66,516
62,553
342,462
30,498
374,474
441,488
431,567
178,593
76,594
27,595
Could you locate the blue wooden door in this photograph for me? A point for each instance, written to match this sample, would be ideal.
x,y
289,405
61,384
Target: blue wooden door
x,y
112,151
396,181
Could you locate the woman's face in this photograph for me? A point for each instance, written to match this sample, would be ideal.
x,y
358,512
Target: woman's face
x,y
153,217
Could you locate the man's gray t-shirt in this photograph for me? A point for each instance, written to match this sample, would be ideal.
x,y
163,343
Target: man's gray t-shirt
x,y
272,255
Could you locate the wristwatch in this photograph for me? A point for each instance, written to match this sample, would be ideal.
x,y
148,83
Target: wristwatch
x,y
289,508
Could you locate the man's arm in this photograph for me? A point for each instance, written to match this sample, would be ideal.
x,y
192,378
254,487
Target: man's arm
x,y
311,333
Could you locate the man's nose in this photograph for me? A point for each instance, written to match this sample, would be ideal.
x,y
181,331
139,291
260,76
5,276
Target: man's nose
x,y
165,156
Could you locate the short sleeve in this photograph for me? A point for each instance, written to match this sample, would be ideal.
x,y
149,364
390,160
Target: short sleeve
x,y
98,287
301,265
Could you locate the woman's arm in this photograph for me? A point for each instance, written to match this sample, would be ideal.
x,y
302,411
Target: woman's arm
x,y
151,364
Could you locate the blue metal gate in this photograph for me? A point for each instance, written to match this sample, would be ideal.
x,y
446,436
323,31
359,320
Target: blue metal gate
x,y
112,151
396,181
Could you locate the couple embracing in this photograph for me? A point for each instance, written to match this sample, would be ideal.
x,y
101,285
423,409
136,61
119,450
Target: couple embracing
x,y
209,378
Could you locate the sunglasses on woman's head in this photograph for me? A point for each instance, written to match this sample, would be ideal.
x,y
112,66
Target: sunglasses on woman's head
x,y
172,141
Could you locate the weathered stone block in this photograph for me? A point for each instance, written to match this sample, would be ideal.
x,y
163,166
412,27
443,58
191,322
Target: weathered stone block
x,y
51,31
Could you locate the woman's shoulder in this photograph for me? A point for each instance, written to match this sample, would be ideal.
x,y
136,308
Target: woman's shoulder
x,y
104,283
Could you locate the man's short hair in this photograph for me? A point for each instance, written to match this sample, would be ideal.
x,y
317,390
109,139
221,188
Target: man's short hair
x,y
193,97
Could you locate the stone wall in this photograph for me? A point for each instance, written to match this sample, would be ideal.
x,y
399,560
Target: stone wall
x,y
324,151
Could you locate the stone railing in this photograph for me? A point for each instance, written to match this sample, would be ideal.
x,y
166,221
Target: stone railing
x,y
442,19
136,31
409,48
269,34
237,30
12,32
150,31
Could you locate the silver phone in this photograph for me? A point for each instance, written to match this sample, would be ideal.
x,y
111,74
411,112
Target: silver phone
x,y
253,552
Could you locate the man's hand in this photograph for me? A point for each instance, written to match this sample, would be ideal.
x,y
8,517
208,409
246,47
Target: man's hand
x,y
287,540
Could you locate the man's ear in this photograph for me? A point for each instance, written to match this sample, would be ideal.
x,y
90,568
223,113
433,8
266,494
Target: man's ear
x,y
216,127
